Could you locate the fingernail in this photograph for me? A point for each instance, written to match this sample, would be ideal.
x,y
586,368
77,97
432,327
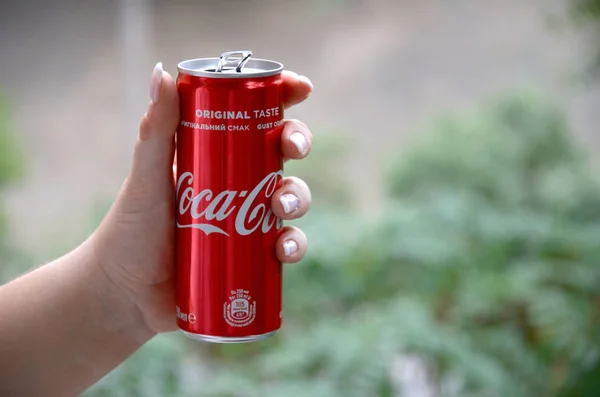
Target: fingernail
x,y
290,247
299,140
155,81
289,202
306,81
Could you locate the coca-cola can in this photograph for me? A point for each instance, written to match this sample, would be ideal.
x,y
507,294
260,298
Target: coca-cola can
x,y
229,164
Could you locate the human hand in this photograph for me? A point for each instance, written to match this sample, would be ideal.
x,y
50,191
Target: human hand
x,y
134,245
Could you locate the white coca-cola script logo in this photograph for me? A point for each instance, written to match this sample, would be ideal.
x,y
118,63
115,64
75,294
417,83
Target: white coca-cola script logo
x,y
250,216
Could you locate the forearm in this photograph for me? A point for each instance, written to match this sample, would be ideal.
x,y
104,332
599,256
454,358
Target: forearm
x,y
63,327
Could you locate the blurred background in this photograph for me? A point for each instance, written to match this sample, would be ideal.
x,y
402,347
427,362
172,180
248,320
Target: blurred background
x,y
455,232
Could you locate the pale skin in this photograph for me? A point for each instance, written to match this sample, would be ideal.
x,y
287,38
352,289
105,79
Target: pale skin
x,y
68,323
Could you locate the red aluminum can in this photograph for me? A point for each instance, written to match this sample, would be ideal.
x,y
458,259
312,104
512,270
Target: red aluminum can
x,y
229,164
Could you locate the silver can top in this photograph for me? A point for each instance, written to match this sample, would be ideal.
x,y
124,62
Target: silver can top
x,y
230,65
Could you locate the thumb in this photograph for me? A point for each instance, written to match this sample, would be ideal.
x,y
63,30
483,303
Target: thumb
x,y
155,147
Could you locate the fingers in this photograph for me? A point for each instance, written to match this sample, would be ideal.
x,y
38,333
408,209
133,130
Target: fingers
x,y
155,147
295,88
292,200
291,245
296,140
160,121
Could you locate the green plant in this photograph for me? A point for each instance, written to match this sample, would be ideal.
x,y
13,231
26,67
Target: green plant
x,y
11,170
484,263
586,15
508,205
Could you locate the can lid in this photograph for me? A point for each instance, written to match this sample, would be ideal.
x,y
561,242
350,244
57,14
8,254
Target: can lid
x,y
230,65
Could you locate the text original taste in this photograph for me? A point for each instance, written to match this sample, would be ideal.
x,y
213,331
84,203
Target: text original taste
x,y
235,115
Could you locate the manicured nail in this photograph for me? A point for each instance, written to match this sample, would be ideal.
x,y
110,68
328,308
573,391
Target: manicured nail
x,y
306,81
289,247
289,202
299,140
155,82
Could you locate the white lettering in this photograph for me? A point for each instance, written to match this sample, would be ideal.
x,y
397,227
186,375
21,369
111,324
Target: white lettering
x,y
264,126
206,194
238,128
261,113
236,114
198,126
266,225
222,114
222,213
240,220
191,318
249,217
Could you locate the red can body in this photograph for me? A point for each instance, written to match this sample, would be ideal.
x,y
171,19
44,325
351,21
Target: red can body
x,y
229,164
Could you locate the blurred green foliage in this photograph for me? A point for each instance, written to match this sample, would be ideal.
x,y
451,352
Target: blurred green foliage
x,y
11,171
483,261
586,14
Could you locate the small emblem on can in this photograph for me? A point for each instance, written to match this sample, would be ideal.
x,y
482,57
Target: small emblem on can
x,y
239,310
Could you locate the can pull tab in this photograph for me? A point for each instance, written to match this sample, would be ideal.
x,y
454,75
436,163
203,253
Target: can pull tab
x,y
233,60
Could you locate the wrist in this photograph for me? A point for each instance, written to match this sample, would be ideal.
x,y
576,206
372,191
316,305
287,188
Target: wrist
x,y
64,326
122,315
